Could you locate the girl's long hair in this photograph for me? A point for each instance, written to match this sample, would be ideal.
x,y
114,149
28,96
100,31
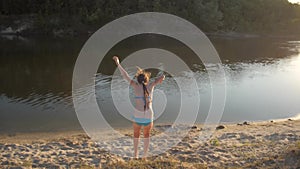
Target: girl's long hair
x,y
143,78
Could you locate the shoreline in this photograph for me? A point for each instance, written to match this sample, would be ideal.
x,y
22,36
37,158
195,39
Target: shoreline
x,y
255,144
61,133
87,34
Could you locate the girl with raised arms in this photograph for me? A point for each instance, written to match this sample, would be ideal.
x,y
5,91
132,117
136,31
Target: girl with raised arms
x,y
143,114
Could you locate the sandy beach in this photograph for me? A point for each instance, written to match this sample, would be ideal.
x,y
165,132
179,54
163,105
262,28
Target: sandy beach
x,y
269,144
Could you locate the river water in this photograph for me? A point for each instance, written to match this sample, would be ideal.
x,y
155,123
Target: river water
x,y
262,80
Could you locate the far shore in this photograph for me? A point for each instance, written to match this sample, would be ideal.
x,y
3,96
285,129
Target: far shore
x,y
268,144
9,32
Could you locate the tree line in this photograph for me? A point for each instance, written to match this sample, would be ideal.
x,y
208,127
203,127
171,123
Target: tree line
x,y
244,16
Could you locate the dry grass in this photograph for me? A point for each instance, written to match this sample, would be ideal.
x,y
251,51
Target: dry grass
x,y
298,145
171,163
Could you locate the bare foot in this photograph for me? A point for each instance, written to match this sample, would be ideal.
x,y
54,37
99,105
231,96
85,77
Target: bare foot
x,y
144,158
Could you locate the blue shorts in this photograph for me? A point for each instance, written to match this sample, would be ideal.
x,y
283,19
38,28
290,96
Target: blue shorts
x,y
142,121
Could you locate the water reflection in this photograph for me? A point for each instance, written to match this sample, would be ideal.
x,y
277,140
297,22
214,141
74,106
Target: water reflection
x,y
35,83
36,74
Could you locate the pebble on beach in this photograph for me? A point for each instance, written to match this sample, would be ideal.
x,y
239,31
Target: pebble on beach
x,y
220,127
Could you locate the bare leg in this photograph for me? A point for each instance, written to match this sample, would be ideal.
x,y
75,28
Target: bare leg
x,y
136,138
147,131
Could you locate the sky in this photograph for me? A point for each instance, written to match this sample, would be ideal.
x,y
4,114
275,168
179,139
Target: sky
x,y
294,1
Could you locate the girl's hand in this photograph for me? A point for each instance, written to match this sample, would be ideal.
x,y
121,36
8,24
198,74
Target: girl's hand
x,y
161,79
116,59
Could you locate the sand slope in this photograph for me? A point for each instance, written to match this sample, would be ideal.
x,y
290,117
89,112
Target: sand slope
x,y
257,145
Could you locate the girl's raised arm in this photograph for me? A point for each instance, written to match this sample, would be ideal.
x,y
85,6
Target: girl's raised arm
x,y
160,79
123,71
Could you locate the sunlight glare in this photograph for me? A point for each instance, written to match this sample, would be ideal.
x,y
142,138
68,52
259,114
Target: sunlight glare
x,y
294,1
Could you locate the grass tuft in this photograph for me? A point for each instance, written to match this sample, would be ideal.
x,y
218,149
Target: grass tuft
x,y
154,163
298,145
214,142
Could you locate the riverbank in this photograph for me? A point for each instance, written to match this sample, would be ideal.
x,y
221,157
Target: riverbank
x,y
251,145
32,25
